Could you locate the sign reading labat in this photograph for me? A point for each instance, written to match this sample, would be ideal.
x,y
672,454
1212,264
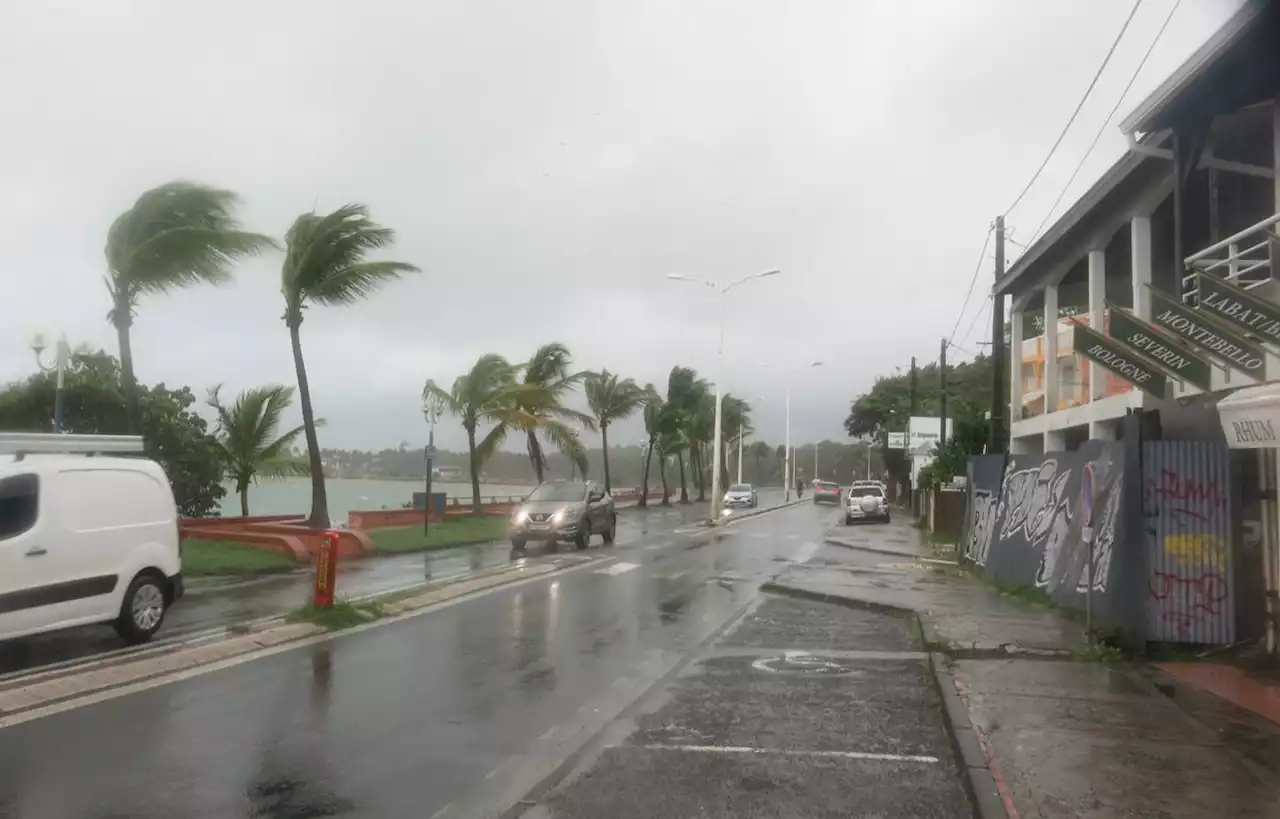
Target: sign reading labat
x,y
1238,307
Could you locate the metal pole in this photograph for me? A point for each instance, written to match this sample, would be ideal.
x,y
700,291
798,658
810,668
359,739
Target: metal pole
x,y
786,464
61,354
739,456
715,456
942,389
999,395
431,453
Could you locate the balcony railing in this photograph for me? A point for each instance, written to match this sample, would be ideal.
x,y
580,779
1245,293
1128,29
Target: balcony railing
x,y
1243,259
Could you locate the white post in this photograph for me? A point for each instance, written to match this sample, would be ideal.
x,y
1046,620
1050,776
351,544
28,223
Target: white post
x,y
1051,349
815,460
1140,265
1015,364
739,456
715,456
1097,320
786,465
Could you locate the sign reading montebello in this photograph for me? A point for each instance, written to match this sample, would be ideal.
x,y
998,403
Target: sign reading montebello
x,y
1238,307
1129,365
1201,330
1159,347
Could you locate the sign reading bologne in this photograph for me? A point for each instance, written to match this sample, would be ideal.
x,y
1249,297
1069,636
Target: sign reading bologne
x,y
1129,365
1202,331
1159,347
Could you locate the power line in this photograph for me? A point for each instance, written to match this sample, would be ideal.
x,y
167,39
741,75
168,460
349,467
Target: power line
x,y
982,257
1107,121
981,312
1079,105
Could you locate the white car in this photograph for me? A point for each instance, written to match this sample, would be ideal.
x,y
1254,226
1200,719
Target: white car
x,y
84,540
866,502
741,494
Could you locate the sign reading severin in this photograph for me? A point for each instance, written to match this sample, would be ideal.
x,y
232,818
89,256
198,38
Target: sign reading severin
x,y
1129,365
1205,333
1159,347
1239,307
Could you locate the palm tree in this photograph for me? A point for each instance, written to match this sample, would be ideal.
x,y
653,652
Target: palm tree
x,y
760,450
246,433
684,392
652,426
735,421
488,393
325,263
174,236
548,372
612,400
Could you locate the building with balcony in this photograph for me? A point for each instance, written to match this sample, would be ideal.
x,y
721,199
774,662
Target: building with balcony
x,y
1196,192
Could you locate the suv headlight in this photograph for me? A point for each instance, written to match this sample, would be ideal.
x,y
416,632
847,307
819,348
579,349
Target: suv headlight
x,y
566,515
520,516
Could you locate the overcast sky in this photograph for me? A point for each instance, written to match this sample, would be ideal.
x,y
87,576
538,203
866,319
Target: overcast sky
x,y
547,164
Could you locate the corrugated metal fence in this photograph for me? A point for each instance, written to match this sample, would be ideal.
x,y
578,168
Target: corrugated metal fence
x,y
1186,506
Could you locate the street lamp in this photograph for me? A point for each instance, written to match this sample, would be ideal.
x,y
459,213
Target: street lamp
x,y
721,290
433,408
788,475
62,362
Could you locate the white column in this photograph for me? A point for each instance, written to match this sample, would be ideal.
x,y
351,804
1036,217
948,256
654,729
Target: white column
x,y
1054,441
1097,309
1051,349
1140,265
1015,363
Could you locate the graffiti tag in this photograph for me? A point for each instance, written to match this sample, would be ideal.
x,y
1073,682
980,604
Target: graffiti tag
x,y
984,518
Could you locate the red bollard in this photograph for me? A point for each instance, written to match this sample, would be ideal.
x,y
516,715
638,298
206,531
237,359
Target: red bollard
x,y
326,571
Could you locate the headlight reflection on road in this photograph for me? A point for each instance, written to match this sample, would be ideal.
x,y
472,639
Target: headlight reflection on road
x,y
517,614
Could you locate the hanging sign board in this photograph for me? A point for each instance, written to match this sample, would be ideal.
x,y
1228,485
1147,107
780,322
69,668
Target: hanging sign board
x,y
1175,357
1129,365
1238,308
1208,335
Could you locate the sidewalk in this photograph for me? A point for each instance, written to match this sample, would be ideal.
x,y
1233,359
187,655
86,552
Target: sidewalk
x,y
1045,735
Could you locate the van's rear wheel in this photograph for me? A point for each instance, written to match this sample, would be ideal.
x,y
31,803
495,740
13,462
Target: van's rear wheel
x,y
142,612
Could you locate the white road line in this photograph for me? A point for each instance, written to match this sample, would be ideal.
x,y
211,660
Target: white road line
x,y
618,568
740,749
807,550
673,575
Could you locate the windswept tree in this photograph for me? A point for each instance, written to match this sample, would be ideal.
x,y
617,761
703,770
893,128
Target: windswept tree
x,y
175,235
760,450
326,264
549,378
652,429
248,434
735,422
612,399
489,393
685,392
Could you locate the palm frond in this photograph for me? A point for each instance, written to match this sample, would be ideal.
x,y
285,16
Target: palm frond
x,y
567,440
357,282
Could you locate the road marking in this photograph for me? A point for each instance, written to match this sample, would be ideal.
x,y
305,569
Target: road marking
x,y
618,568
740,749
806,551
673,575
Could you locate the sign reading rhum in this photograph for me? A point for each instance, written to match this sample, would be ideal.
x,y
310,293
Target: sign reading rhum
x,y
1173,355
1238,307
1201,330
1117,358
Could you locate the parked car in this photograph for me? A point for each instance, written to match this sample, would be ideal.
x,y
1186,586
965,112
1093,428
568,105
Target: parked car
x,y
826,492
84,540
563,511
741,494
859,484
866,502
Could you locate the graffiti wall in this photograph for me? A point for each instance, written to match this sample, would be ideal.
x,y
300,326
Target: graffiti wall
x,y
1026,528
1187,511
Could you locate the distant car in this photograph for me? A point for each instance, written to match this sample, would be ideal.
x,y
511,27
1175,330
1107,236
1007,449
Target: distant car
x,y
859,484
826,492
563,510
866,502
741,495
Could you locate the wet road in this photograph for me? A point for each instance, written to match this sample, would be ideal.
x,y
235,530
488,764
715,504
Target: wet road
x,y
210,607
452,712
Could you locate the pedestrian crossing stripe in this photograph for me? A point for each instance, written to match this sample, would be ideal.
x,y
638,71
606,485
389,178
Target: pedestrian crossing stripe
x,y
618,568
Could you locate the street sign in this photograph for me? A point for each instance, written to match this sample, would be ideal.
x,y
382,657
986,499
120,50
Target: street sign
x,y
1172,354
1202,330
430,452
1130,366
897,440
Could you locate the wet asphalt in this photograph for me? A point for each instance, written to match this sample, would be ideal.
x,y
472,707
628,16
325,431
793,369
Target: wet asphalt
x,y
469,708
210,606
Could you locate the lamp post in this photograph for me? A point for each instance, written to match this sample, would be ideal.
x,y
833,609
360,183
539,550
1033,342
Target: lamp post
x,y
432,409
788,463
61,364
721,291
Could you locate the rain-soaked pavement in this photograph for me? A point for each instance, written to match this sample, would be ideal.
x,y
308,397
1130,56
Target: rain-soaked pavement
x,y
456,712
210,606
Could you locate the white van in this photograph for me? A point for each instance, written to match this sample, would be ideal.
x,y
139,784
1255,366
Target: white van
x,y
85,539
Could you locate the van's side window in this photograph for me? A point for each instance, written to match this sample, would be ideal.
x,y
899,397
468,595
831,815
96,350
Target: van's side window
x,y
19,504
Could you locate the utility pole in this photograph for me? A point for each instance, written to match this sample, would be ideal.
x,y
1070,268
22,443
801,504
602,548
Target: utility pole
x,y
914,391
942,391
999,395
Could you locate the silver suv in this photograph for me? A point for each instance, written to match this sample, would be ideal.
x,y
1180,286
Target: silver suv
x,y
866,501
563,510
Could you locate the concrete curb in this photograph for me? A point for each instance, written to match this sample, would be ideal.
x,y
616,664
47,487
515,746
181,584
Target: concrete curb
x,y
877,550
751,514
980,784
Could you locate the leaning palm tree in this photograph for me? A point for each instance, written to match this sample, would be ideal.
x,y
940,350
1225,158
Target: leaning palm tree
x,y
735,421
652,428
489,393
551,379
174,236
612,400
760,450
325,263
685,392
247,434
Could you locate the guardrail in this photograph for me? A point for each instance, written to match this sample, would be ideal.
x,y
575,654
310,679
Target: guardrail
x,y
1247,262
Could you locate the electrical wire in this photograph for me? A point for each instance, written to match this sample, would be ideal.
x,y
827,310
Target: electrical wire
x,y
1107,121
1079,105
967,333
982,257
